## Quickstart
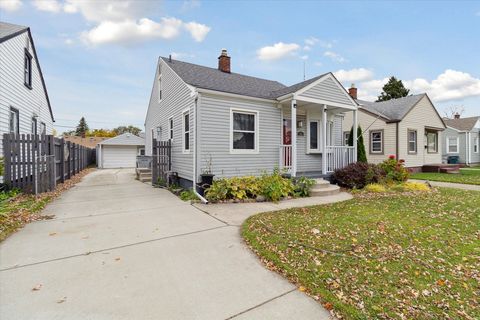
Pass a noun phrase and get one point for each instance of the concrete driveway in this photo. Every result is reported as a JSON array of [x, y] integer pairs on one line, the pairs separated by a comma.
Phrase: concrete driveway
[[120, 249]]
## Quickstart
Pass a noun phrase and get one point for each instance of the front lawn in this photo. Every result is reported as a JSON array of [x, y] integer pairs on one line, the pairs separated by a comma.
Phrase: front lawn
[[466, 175], [378, 256]]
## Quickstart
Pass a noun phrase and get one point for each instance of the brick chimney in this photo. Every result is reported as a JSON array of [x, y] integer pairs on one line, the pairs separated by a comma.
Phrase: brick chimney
[[353, 91], [456, 115], [224, 61]]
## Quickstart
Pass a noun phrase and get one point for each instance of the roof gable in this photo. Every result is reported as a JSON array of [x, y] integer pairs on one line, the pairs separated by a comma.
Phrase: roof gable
[[462, 124], [394, 109], [9, 30], [128, 139]]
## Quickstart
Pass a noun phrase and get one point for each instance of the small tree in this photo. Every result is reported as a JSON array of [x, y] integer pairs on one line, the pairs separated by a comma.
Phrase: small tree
[[123, 129], [361, 154], [393, 89], [82, 128]]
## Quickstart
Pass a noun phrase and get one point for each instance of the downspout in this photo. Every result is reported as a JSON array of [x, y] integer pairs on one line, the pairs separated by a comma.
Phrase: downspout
[[397, 143], [205, 201], [467, 148]]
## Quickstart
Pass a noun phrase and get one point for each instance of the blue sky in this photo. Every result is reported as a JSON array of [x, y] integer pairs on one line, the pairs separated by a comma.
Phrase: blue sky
[[99, 57]]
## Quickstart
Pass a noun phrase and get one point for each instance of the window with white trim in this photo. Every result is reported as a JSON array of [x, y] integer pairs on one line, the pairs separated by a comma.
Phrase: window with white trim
[[186, 131], [34, 125], [346, 137], [376, 141], [314, 127], [244, 131], [170, 128], [476, 144], [432, 141], [412, 141], [452, 144], [160, 88], [14, 123]]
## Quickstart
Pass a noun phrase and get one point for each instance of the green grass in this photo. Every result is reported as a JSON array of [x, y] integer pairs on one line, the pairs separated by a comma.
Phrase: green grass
[[466, 175], [17, 209], [392, 256]]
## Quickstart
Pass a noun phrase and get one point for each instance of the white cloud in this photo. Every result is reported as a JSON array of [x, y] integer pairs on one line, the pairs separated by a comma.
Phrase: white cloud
[[48, 5], [353, 75], [311, 41], [111, 10], [334, 56], [304, 57], [198, 31], [129, 31], [277, 51], [182, 55], [449, 85], [10, 5]]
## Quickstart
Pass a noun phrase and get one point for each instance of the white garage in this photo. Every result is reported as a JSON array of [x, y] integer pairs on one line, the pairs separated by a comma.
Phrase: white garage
[[120, 151]]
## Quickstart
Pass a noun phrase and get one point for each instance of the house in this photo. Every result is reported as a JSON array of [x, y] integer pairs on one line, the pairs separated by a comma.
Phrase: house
[[120, 151], [237, 125], [24, 104], [89, 142], [461, 138], [409, 128]]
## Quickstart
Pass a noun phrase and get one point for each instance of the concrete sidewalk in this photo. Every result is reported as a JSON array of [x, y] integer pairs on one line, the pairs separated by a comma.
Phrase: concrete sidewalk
[[120, 249], [462, 186]]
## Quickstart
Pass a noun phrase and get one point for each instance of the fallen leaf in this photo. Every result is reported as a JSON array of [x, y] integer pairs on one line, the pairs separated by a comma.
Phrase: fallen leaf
[[62, 300], [117, 259], [328, 306], [302, 288], [37, 287], [315, 231], [52, 233]]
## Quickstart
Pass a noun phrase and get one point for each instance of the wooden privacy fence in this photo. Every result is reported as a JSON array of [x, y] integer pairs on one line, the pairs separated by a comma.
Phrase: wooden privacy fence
[[161, 160], [36, 163]]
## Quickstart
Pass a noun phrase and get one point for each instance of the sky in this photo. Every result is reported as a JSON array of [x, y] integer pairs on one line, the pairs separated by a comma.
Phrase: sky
[[99, 57]]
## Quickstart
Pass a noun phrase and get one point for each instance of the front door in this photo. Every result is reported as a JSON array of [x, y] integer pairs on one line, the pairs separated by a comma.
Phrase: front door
[[286, 149], [287, 132]]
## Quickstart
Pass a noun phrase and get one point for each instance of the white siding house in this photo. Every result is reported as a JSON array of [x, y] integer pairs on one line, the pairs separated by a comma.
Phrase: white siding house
[[240, 125], [462, 139], [24, 103], [120, 151]]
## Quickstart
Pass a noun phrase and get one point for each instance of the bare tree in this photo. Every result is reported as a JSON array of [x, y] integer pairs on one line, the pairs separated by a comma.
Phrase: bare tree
[[451, 111]]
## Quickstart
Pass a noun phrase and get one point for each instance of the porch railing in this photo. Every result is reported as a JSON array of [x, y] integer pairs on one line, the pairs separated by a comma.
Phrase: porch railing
[[338, 157], [286, 157]]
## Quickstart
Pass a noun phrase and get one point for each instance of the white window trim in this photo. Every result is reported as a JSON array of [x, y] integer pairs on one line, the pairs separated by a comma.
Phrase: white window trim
[[257, 132], [170, 128], [457, 144], [184, 112], [160, 91], [436, 142], [319, 135], [371, 142], [476, 144], [415, 141]]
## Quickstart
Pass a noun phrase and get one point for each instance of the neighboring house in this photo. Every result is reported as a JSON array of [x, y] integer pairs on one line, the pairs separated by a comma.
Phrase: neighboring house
[[462, 139], [244, 125], [409, 128], [24, 103], [120, 151], [89, 142]]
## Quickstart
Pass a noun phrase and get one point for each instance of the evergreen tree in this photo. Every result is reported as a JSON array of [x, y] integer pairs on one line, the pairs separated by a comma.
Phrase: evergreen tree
[[82, 128], [361, 154], [393, 89]]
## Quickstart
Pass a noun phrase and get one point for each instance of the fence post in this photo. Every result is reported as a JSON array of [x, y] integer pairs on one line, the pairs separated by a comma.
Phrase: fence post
[[53, 169], [155, 161], [62, 160], [7, 176]]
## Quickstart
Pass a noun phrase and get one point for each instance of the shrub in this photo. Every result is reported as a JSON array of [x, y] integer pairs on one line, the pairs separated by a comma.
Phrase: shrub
[[361, 154], [411, 186], [302, 186], [1, 166], [375, 187], [357, 175], [271, 186], [394, 169]]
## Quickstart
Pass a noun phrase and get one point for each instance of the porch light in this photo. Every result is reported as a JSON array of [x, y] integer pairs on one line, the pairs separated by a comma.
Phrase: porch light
[[159, 132], [299, 124]]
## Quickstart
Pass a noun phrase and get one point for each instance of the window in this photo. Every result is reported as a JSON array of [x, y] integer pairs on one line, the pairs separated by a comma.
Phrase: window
[[412, 141], [34, 125], [376, 141], [330, 133], [27, 69], [314, 125], [186, 131], [160, 88], [170, 128], [43, 128], [14, 121], [432, 142], [141, 151], [475, 144], [244, 134], [346, 137], [452, 145]]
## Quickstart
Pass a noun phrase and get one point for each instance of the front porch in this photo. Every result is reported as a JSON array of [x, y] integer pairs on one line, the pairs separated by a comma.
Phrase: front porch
[[313, 143]]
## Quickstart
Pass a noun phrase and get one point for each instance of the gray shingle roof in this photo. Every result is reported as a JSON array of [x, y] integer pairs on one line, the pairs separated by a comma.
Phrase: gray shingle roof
[[8, 30], [462, 124], [125, 139], [214, 79], [394, 109]]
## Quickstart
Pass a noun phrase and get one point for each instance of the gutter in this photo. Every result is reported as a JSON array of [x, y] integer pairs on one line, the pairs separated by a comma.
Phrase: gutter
[[194, 178]]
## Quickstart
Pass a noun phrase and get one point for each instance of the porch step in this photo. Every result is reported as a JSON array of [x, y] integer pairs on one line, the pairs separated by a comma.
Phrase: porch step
[[144, 174], [323, 188]]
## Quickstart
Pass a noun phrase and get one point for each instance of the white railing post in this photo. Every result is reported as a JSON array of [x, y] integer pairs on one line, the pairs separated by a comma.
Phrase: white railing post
[[325, 156], [294, 137]]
